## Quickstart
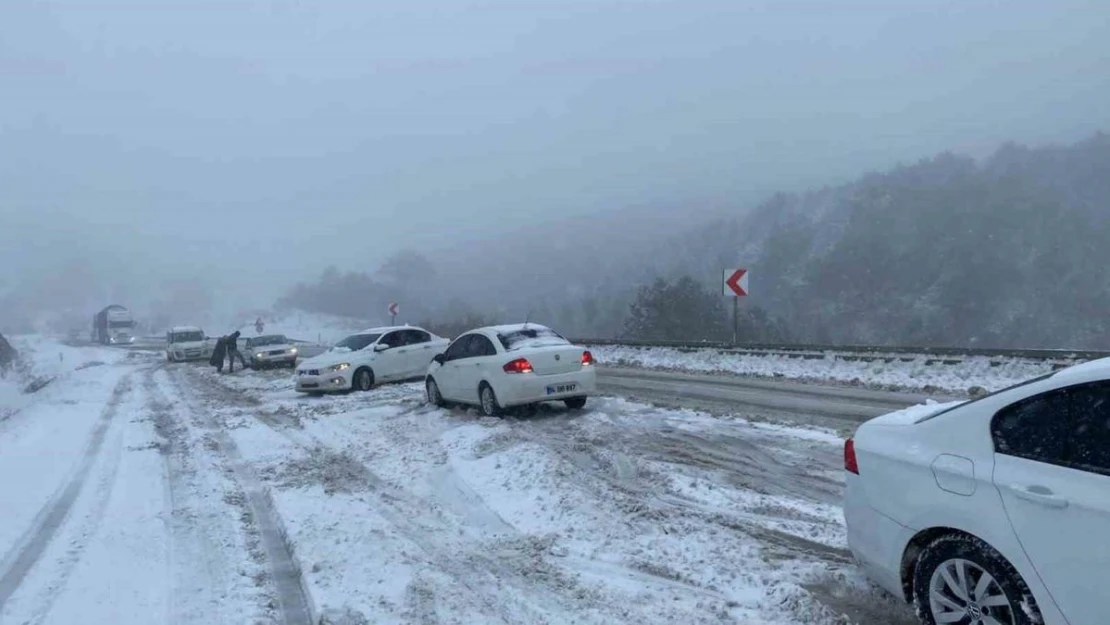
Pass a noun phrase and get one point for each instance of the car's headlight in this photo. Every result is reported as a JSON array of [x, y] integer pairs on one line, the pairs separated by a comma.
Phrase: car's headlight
[[258, 355], [292, 350], [340, 367]]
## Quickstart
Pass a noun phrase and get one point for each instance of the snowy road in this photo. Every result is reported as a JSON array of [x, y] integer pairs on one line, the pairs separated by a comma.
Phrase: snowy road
[[835, 407], [168, 494]]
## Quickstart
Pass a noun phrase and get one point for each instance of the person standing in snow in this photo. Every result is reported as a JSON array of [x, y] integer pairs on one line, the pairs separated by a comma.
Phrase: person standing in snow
[[218, 353], [233, 351]]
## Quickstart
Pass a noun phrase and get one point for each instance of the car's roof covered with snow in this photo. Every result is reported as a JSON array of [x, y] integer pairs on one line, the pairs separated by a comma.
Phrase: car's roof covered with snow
[[513, 327], [384, 329], [177, 329], [1090, 369]]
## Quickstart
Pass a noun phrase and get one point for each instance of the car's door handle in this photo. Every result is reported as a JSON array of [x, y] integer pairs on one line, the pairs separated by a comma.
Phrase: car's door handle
[[1039, 495]]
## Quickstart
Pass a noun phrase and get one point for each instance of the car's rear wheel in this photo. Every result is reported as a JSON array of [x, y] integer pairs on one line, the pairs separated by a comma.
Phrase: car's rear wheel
[[575, 403], [435, 398], [364, 380], [961, 579], [488, 401]]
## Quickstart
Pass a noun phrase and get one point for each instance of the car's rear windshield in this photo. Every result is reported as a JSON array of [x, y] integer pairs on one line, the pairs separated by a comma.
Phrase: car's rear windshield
[[187, 337], [274, 339], [356, 342], [530, 337], [988, 396]]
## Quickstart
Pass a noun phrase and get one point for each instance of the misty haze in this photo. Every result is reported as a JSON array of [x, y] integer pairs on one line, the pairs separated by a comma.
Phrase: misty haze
[[466, 311]]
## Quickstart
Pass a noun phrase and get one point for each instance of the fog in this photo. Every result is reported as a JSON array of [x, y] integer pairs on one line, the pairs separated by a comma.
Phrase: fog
[[156, 147]]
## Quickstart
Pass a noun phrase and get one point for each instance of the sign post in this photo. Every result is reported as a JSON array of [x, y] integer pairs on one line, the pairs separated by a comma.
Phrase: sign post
[[393, 309], [734, 284]]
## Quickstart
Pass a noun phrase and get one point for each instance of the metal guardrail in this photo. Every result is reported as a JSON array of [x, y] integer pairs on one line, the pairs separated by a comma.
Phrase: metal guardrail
[[952, 355]]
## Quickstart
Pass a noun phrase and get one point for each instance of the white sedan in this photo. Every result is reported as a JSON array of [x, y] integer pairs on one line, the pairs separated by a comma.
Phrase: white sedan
[[994, 511], [362, 360], [513, 365]]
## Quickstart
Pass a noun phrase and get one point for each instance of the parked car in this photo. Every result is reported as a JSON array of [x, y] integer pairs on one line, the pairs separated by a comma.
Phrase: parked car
[[184, 343], [991, 511], [269, 351], [362, 360], [512, 365]]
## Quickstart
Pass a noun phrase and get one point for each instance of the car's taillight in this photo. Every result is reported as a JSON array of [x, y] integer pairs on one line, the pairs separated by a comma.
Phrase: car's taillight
[[587, 358], [520, 365], [850, 463]]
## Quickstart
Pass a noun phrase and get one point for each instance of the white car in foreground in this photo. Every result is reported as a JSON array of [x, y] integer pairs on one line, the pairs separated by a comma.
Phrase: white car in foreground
[[362, 360], [185, 343], [994, 511], [514, 365]]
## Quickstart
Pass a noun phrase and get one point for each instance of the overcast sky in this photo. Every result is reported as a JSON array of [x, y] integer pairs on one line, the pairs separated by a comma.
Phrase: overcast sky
[[263, 140]]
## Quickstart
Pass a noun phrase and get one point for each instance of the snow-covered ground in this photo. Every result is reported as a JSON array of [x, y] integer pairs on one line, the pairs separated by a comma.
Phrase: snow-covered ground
[[306, 326], [155, 493], [913, 375]]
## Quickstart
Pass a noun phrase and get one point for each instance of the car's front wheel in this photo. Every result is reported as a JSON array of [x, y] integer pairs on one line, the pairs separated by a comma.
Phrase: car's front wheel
[[364, 380], [435, 398], [961, 579]]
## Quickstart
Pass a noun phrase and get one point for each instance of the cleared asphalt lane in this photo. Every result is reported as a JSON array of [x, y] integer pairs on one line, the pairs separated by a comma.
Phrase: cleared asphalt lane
[[834, 406]]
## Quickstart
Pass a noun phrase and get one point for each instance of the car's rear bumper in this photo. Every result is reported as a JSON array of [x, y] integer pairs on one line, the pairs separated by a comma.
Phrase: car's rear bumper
[[876, 541], [329, 382], [532, 389]]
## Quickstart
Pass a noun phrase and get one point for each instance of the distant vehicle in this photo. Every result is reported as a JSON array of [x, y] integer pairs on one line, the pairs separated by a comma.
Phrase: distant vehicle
[[113, 326], [269, 351], [991, 511], [184, 343], [362, 360], [512, 365]]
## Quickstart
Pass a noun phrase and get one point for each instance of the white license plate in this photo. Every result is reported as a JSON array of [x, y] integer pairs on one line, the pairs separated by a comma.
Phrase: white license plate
[[555, 389]]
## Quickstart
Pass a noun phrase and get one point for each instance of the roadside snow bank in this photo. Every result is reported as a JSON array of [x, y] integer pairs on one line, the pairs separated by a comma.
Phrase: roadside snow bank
[[307, 326], [898, 375], [43, 360]]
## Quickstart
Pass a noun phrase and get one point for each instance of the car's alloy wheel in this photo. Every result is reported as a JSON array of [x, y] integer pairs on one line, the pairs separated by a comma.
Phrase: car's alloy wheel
[[490, 407], [364, 380], [962, 580], [961, 591]]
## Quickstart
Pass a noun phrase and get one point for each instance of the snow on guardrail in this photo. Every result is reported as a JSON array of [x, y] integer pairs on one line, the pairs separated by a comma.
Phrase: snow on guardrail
[[927, 370]]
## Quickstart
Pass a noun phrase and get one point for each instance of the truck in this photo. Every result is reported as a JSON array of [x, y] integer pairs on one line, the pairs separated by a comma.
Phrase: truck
[[113, 326]]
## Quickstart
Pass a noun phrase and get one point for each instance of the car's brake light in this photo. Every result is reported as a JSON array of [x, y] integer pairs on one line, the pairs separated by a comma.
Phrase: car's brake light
[[520, 365], [850, 463], [587, 358]]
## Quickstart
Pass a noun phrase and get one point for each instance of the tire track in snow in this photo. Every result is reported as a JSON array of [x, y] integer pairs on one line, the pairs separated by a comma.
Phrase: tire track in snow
[[293, 601], [23, 557]]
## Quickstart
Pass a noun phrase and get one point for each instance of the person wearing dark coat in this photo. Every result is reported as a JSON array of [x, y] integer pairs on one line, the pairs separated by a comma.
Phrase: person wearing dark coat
[[218, 353], [232, 343]]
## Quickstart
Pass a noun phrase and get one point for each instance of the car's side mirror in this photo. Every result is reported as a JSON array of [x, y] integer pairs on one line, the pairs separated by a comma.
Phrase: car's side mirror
[[440, 358], [381, 347]]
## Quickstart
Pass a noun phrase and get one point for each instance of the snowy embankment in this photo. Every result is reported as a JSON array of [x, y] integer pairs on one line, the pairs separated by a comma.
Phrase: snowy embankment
[[399, 512], [43, 361], [914, 375], [305, 326]]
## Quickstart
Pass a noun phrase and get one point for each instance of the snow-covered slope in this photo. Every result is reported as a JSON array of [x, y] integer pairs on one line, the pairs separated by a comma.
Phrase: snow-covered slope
[[912, 375], [306, 326]]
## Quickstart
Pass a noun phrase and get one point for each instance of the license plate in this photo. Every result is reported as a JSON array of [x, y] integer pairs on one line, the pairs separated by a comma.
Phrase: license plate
[[561, 388]]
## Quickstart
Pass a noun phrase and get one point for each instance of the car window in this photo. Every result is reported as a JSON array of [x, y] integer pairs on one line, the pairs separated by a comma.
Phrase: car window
[[394, 339], [987, 396], [1090, 428], [459, 348], [481, 346], [1035, 428], [416, 337], [533, 336], [356, 342]]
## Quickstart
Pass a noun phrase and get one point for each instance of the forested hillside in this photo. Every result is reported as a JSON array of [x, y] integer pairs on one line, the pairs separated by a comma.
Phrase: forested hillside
[[1007, 252]]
